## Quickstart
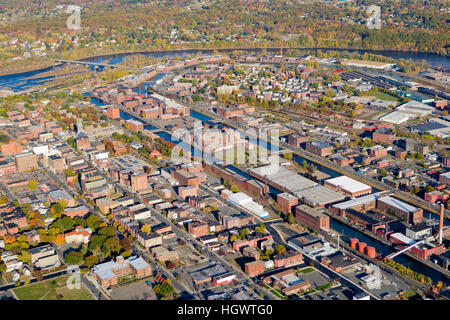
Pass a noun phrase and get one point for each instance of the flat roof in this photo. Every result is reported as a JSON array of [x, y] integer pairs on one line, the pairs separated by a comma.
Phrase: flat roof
[[319, 195], [320, 144], [428, 127], [290, 180], [311, 211], [403, 238], [398, 204], [358, 201], [348, 184]]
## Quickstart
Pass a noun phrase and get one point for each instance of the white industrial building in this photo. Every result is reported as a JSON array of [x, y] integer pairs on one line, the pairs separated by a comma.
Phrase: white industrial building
[[409, 110], [246, 202]]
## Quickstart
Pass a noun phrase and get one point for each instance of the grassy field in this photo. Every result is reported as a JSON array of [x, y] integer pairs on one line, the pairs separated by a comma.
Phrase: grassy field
[[307, 270], [381, 95], [53, 289]]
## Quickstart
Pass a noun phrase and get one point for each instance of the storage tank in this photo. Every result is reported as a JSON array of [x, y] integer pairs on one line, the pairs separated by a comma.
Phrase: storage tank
[[362, 246], [371, 253], [353, 242]]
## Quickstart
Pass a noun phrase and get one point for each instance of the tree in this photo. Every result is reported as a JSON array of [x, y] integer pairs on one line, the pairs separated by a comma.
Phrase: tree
[[2, 267], [60, 239], [290, 218], [67, 223], [80, 222], [73, 257], [96, 241], [111, 245], [32, 184], [234, 188], [93, 222], [383, 172], [90, 261], [146, 228], [244, 232], [4, 199], [279, 248], [261, 228], [126, 244], [107, 231]]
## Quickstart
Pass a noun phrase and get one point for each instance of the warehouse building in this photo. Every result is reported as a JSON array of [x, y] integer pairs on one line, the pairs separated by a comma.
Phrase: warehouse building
[[319, 148], [369, 221], [246, 202], [282, 179], [319, 196], [362, 204], [312, 217], [286, 202], [410, 110], [401, 209], [348, 186]]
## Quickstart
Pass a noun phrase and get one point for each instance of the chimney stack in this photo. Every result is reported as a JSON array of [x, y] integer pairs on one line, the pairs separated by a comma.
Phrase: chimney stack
[[441, 223]]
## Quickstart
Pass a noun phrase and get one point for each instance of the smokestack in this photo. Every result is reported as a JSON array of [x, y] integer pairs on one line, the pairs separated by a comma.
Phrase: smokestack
[[441, 223]]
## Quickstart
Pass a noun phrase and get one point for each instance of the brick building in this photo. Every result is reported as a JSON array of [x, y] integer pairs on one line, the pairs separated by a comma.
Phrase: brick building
[[286, 202], [198, 229], [135, 125], [107, 274], [254, 268], [186, 178], [408, 213], [56, 163], [113, 112], [11, 148], [319, 148], [139, 182], [187, 191], [287, 259], [312, 217], [385, 136], [83, 141], [296, 140], [26, 161]]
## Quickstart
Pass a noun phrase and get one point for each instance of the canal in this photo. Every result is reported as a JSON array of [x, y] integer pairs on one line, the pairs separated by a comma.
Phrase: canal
[[336, 225]]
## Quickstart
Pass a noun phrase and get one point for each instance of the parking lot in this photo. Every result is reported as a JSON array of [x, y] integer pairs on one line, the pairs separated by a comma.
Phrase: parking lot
[[134, 291]]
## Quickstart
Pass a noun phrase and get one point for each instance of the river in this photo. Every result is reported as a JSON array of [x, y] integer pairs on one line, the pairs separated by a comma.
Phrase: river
[[25, 80]]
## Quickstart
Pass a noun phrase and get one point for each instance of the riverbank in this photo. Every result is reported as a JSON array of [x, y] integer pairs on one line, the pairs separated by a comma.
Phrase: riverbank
[[375, 237], [389, 53]]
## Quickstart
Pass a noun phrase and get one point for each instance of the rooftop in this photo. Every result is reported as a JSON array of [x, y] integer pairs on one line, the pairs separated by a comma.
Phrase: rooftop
[[358, 201], [398, 204], [348, 184], [319, 195]]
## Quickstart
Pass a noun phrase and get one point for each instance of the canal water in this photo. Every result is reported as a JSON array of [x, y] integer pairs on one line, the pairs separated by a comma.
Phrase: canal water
[[384, 250], [348, 232]]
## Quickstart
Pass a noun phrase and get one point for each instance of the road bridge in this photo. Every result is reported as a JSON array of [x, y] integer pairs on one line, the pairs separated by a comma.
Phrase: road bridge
[[96, 64]]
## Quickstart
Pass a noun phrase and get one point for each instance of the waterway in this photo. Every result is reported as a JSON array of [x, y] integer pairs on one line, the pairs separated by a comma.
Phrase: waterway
[[25, 80], [345, 230], [384, 250]]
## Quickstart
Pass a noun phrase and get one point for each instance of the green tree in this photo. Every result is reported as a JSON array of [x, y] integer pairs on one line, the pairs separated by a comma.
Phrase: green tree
[[279, 248], [91, 261], [93, 222], [107, 231], [73, 257], [234, 188], [110, 246], [32, 184]]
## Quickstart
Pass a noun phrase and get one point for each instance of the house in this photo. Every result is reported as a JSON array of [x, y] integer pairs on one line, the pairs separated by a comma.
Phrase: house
[[78, 235]]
